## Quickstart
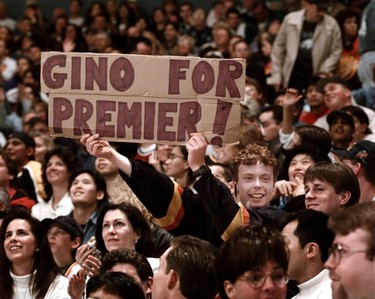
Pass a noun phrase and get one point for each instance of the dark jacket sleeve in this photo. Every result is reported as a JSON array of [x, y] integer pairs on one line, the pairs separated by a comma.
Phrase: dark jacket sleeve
[[209, 214], [219, 203]]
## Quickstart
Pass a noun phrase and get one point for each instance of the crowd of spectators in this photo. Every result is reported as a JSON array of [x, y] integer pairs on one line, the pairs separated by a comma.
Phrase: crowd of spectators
[[286, 212]]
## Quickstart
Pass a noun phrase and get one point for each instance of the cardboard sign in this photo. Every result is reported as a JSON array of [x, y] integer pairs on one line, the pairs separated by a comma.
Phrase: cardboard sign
[[139, 98]]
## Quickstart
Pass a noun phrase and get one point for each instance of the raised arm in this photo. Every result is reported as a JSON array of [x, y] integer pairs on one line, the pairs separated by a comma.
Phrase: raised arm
[[291, 98], [101, 148]]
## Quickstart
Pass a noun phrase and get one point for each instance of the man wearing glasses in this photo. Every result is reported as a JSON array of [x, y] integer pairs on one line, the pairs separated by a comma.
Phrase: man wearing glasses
[[352, 257], [253, 264]]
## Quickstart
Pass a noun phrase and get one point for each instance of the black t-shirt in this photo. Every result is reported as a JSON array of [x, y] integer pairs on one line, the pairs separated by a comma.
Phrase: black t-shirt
[[303, 68]]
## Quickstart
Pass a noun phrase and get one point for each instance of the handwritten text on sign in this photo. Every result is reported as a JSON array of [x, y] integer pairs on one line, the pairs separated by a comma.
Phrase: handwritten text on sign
[[142, 98]]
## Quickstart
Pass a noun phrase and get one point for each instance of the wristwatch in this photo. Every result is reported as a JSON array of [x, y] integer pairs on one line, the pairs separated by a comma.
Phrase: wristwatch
[[201, 171]]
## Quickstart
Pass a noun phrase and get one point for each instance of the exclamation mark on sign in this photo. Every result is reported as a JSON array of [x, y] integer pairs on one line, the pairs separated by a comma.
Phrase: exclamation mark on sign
[[220, 122]]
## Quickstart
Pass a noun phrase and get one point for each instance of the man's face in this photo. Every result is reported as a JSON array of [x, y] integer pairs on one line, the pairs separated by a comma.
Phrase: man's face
[[321, 196], [60, 241], [255, 185], [241, 289], [17, 151], [336, 96], [297, 264], [269, 127], [313, 13], [353, 275], [341, 130], [314, 97], [161, 278], [105, 167]]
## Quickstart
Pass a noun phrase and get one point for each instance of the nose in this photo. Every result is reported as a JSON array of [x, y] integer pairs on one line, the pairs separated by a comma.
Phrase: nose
[[111, 229], [329, 264], [308, 195], [269, 284], [257, 183], [13, 237]]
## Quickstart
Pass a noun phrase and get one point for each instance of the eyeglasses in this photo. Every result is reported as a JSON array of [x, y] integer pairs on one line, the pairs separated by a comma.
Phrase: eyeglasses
[[173, 156], [337, 251], [257, 279]]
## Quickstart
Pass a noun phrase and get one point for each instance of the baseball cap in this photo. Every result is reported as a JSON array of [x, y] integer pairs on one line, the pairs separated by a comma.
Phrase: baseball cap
[[335, 79], [363, 151], [342, 114], [69, 224], [24, 137]]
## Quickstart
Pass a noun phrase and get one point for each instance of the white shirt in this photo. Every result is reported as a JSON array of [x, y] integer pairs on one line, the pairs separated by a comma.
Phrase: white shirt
[[44, 209], [57, 290], [318, 287]]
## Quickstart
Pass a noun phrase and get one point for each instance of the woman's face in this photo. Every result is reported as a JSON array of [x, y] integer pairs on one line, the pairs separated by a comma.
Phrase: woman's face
[[56, 171], [40, 149], [117, 231], [83, 190], [298, 167], [351, 27], [20, 243], [176, 166]]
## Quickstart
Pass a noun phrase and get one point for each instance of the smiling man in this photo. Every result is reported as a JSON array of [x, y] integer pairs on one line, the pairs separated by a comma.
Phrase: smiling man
[[352, 260], [337, 95], [330, 187]]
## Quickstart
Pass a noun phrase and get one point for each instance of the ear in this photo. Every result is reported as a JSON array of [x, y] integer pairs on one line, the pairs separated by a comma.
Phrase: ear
[[347, 92], [357, 167], [312, 249], [173, 280], [232, 187], [137, 235], [76, 243], [229, 289], [344, 197], [148, 285], [99, 195], [30, 151], [363, 128]]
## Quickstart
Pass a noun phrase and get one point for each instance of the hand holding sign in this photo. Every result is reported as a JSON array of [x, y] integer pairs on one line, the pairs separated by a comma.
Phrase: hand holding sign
[[97, 147], [196, 147]]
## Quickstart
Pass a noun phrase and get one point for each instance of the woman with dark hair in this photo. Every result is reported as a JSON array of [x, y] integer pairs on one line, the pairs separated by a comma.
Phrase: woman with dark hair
[[119, 226], [136, 236], [60, 164], [348, 21], [28, 269], [178, 168], [290, 188], [88, 191]]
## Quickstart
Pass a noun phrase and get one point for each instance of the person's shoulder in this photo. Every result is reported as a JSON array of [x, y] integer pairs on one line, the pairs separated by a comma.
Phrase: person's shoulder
[[58, 289], [294, 15]]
